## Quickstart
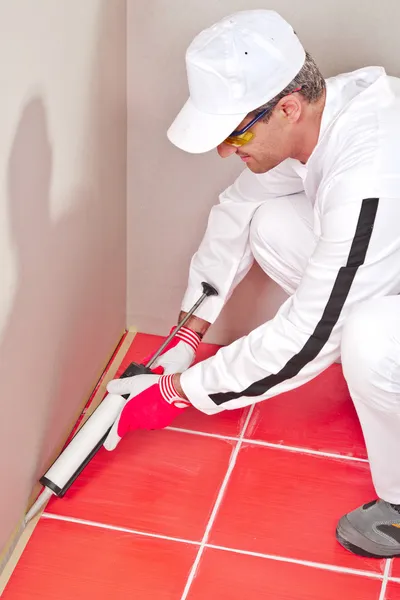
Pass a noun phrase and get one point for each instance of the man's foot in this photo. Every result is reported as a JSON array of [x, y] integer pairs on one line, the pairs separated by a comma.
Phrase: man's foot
[[372, 530]]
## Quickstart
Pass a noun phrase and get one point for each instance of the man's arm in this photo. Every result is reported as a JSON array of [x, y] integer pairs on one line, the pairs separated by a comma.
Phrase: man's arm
[[357, 258], [224, 256], [200, 326]]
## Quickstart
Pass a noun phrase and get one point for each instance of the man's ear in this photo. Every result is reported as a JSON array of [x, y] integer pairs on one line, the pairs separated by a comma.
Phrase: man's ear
[[290, 108]]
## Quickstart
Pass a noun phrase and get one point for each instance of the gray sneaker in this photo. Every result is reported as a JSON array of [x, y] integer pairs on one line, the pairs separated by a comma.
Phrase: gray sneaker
[[372, 530]]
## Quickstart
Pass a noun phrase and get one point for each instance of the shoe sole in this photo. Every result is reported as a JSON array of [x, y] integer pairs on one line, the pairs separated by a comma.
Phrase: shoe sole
[[370, 549]]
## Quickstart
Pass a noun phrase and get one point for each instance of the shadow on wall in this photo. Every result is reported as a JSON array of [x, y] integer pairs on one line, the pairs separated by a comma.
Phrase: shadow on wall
[[34, 362], [65, 321]]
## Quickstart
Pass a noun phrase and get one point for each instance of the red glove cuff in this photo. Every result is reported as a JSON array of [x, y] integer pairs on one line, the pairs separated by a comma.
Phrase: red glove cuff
[[190, 337], [169, 393]]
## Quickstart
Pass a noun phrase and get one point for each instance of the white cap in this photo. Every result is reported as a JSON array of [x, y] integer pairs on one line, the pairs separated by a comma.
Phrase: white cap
[[234, 67]]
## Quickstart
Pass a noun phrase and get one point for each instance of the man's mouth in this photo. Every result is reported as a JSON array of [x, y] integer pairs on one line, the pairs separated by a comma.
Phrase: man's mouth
[[245, 157]]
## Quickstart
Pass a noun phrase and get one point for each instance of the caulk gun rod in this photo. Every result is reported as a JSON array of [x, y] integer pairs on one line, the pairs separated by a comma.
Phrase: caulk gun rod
[[177, 328]]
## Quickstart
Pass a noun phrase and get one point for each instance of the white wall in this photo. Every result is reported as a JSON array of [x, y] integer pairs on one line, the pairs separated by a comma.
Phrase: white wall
[[169, 192], [62, 224]]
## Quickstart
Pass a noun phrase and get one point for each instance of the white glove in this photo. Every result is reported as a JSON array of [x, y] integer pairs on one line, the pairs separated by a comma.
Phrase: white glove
[[179, 354]]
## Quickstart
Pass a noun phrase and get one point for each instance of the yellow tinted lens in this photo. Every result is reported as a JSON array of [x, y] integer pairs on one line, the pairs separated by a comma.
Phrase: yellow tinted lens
[[239, 140]]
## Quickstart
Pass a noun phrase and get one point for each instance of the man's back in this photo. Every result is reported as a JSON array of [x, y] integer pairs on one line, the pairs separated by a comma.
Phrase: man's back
[[360, 135]]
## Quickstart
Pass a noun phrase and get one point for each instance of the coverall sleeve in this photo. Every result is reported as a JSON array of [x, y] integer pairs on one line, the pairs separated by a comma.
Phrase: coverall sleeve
[[224, 256], [356, 258]]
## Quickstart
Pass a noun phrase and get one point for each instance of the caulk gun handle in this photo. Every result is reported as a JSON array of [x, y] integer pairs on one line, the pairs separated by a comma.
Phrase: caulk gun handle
[[208, 289], [135, 369]]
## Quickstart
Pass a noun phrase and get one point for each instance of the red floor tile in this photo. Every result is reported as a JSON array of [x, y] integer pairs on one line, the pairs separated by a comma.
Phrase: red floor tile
[[229, 422], [288, 504], [318, 415], [229, 576], [396, 568], [393, 591], [65, 561], [159, 481]]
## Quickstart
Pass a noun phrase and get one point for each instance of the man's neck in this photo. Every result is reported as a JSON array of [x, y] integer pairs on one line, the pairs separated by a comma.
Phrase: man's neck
[[309, 130]]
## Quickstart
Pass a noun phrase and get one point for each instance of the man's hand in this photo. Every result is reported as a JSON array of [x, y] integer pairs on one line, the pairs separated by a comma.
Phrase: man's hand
[[153, 403], [179, 354]]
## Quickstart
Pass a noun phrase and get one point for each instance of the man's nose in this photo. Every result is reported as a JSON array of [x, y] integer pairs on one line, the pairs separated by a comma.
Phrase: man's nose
[[225, 150]]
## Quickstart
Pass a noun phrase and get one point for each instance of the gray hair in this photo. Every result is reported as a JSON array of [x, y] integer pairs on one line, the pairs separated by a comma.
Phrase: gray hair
[[312, 87]]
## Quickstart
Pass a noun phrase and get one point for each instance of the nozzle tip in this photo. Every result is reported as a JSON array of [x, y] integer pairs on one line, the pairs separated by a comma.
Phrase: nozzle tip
[[40, 502]]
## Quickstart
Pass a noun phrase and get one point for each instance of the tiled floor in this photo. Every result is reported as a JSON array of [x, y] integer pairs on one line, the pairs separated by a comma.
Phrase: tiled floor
[[396, 569], [241, 504], [393, 591]]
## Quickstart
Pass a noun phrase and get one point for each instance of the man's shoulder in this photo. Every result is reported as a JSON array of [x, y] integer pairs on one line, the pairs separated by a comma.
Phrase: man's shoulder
[[367, 132]]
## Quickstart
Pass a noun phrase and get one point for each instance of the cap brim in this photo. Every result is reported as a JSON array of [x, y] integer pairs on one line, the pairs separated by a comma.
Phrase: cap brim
[[196, 132]]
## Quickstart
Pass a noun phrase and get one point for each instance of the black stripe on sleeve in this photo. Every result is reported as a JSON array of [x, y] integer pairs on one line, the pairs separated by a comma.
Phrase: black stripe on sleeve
[[330, 316]]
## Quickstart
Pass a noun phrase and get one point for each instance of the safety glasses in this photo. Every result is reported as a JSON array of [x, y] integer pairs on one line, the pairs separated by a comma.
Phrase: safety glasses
[[243, 136]]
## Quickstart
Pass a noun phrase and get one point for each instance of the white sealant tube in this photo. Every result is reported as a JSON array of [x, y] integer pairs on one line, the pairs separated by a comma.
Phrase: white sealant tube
[[78, 450], [85, 440]]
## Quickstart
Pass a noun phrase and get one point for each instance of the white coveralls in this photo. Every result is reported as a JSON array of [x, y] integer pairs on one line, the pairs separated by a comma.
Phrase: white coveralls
[[329, 233]]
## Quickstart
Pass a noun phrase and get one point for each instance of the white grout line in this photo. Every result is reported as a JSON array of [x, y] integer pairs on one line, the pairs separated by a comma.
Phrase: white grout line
[[386, 574], [298, 561], [218, 436], [298, 449], [56, 517], [217, 504], [305, 451], [203, 544]]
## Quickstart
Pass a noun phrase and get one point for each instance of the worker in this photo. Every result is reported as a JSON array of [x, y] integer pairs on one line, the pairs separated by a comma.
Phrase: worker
[[318, 207]]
